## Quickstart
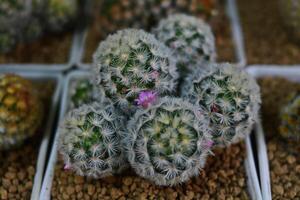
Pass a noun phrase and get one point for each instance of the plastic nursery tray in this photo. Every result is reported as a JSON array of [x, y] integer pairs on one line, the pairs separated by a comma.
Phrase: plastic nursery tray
[[72, 60], [41, 159], [291, 73], [236, 34], [251, 173]]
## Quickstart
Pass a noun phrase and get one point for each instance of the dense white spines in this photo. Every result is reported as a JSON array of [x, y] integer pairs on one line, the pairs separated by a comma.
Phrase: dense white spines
[[189, 37], [132, 61], [90, 141], [168, 142], [230, 98]]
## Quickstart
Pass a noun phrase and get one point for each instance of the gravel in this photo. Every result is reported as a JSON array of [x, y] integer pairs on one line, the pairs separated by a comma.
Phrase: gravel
[[223, 178], [266, 39], [48, 49], [284, 158]]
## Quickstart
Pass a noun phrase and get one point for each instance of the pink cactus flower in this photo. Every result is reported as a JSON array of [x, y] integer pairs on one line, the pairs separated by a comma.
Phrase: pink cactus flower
[[146, 98], [67, 167]]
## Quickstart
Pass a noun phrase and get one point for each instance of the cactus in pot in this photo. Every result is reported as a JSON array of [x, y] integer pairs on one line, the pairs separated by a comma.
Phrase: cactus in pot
[[21, 111], [290, 12], [90, 140], [190, 38], [132, 61], [290, 118], [230, 98], [60, 14], [168, 141]]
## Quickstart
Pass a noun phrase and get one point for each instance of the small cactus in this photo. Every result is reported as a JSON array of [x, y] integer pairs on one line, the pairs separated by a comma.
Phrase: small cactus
[[21, 111], [81, 92], [229, 96], [60, 14], [90, 141], [290, 11], [290, 118], [190, 38], [132, 61], [167, 143]]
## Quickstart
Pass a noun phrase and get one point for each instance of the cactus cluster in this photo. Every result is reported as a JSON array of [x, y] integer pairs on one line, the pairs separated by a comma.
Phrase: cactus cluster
[[230, 98], [132, 61], [190, 38], [21, 111], [168, 142], [90, 138], [290, 118], [290, 11], [164, 138]]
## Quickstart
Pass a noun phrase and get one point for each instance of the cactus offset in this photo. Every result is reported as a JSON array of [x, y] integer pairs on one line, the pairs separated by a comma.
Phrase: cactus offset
[[132, 61], [90, 141], [168, 142], [190, 38], [290, 11], [81, 92], [230, 98], [290, 118], [21, 111]]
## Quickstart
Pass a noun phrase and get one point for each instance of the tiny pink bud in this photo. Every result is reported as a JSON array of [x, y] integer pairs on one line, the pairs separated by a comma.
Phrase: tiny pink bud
[[154, 75], [146, 98], [67, 167], [208, 144]]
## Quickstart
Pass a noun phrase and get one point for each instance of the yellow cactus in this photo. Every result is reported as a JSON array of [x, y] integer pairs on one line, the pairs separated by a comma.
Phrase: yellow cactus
[[21, 110]]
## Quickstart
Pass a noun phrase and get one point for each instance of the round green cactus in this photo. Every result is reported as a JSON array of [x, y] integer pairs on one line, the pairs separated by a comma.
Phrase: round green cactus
[[290, 11], [230, 98], [90, 141], [132, 61], [21, 111], [168, 142], [60, 14], [290, 118], [190, 38]]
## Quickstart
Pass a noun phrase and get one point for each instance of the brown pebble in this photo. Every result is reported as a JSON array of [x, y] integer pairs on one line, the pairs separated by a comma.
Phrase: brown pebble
[[91, 190], [79, 179], [278, 189], [3, 193], [70, 190], [291, 159]]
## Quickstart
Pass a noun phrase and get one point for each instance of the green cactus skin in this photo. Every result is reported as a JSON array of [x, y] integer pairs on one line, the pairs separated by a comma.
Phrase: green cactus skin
[[229, 96], [81, 92], [168, 142], [290, 11], [132, 61], [61, 14], [21, 111], [190, 38], [290, 118], [90, 141]]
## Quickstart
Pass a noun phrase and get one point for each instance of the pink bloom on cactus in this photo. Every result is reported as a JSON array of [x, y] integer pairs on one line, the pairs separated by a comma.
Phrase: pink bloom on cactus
[[208, 144], [146, 98], [67, 167]]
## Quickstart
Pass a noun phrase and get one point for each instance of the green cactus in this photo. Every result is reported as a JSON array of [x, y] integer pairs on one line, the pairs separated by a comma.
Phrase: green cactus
[[90, 141], [230, 98], [21, 111], [168, 142], [61, 14], [81, 92], [290, 11], [190, 38], [132, 61], [290, 118]]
